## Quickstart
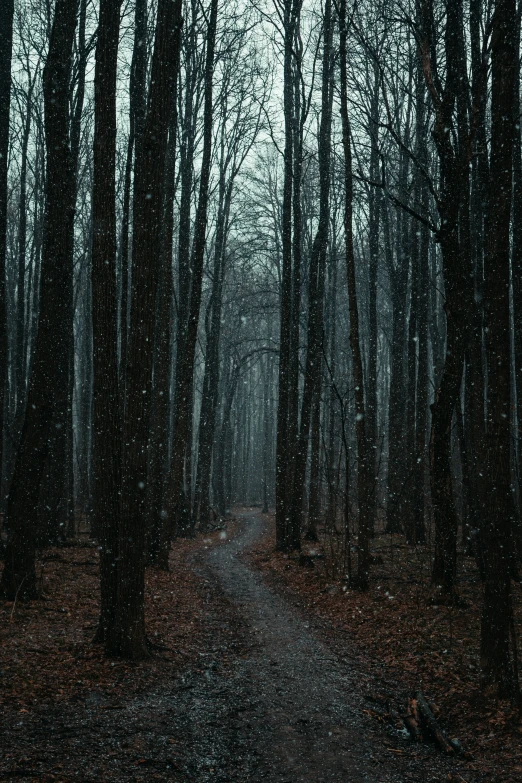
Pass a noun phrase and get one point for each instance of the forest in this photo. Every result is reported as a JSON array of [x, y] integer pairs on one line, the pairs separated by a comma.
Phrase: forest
[[261, 344]]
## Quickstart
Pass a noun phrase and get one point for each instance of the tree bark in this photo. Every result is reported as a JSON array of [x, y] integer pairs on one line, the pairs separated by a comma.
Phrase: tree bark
[[453, 205], [46, 416], [137, 110], [495, 663], [314, 500], [187, 334], [364, 458], [159, 541], [283, 456], [6, 46], [127, 639], [106, 443], [422, 389], [211, 376], [374, 206], [316, 281]]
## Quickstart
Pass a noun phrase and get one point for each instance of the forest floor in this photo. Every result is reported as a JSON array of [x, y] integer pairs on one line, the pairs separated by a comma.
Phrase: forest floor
[[247, 683], [401, 641]]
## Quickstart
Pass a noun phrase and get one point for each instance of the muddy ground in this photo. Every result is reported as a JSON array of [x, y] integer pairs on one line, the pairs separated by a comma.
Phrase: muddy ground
[[267, 700]]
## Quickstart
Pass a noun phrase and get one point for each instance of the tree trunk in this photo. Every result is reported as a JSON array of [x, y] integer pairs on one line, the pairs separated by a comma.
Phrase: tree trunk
[[364, 475], [453, 235], [209, 398], [331, 511], [188, 331], [422, 390], [316, 280], [128, 636], [159, 540], [496, 666], [314, 500], [106, 443], [299, 118], [397, 398], [373, 242], [20, 364], [267, 388], [137, 109], [516, 276], [283, 456], [46, 416], [474, 418], [6, 46], [222, 455]]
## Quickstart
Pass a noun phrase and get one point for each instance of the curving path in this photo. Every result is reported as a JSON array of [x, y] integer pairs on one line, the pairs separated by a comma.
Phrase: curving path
[[300, 717], [268, 702], [304, 719]]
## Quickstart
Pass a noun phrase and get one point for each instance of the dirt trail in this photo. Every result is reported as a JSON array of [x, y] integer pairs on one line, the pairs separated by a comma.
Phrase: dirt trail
[[268, 702], [305, 721]]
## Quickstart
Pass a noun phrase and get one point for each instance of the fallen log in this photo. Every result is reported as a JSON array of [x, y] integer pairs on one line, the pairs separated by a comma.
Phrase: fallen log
[[432, 727], [412, 720], [397, 721]]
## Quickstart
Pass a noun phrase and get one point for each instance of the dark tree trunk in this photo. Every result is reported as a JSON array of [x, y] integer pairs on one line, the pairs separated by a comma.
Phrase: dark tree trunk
[[474, 419], [330, 456], [422, 389], [177, 509], [410, 456], [56, 513], [316, 281], [364, 475], [137, 109], [106, 443], [6, 46], [516, 273], [47, 407], [187, 334], [222, 490], [211, 376], [283, 455], [495, 662], [314, 500], [267, 388], [398, 388], [159, 539], [20, 365], [373, 243], [453, 235], [128, 636], [76, 441], [299, 118], [397, 508]]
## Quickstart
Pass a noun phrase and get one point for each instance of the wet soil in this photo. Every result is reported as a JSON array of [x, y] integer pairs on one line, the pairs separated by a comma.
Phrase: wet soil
[[269, 701]]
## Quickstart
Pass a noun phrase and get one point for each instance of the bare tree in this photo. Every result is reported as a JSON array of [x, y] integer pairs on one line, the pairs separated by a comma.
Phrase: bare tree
[[496, 664], [47, 414], [106, 401], [127, 637], [6, 45], [188, 331]]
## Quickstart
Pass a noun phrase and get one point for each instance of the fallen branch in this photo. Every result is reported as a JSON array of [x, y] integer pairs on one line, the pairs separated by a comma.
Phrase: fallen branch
[[412, 720], [432, 727], [15, 600]]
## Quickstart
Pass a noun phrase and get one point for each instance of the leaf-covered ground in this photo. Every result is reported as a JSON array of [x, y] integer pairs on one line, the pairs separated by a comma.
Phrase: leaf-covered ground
[[406, 642], [45, 650], [62, 702], [262, 671]]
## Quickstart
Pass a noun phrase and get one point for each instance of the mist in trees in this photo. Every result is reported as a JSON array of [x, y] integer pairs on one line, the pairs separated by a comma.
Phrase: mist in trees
[[262, 253]]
